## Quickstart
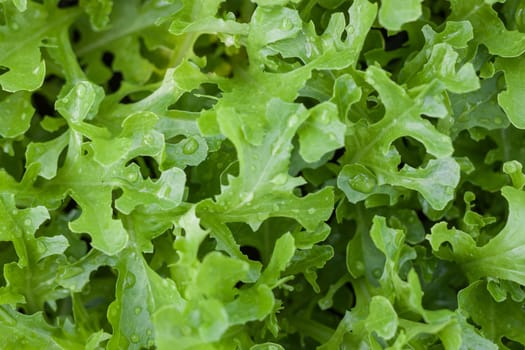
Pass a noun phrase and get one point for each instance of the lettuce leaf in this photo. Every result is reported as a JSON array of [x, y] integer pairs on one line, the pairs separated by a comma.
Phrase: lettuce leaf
[[264, 174]]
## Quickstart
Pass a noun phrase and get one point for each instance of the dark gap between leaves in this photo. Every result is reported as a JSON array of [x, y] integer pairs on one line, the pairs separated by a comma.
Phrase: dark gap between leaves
[[115, 82], [67, 3], [251, 252]]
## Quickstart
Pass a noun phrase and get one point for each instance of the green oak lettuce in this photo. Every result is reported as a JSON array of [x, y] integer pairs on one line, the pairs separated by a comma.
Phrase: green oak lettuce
[[262, 174]]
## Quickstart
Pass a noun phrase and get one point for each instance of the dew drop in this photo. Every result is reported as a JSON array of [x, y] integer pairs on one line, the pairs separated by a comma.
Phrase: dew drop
[[15, 26], [308, 49], [130, 280], [311, 211], [498, 120], [247, 196], [148, 332], [279, 179], [377, 273], [229, 41], [276, 207], [162, 3], [132, 176], [27, 222], [41, 247], [36, 70], [362, 182], [293, 121], [359, 266], [134, 338], [138, 310], [350, 29], [72, 272], [190, 146], [286, 24], [324, 118], [81, 90], [148, 139], [519, 18], [151, 343]]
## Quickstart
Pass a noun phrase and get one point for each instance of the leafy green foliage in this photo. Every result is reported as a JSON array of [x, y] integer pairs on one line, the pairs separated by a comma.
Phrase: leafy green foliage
[[264, 174]]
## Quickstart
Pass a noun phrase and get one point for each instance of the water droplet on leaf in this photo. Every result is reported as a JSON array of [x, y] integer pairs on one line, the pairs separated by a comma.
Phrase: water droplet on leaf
[[138, 310], [308, 49], [130, 280], [134, 338], [293, 121], [72, 272], [362, 182], [324, 118], [311, 211], [377, 273], [286, 24], [246, 196], [81, 90], [279, 179], [41, 247], [359, 266], [190, 146], [148, 139]]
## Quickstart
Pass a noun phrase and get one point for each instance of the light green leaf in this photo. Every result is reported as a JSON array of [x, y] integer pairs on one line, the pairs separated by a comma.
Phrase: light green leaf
[[19, 226], [501, 257], [321, 133], [373, 161], [98, 12], [489, 30], [45, 155], [382, 317], [394, 13], [32, 332], [140, 292], [263, 187], [479, 305], [509, 99], [16, 112], [22, 36]]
